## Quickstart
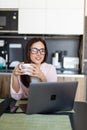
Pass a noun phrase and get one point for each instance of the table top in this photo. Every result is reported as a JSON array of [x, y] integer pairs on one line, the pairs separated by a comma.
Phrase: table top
[[70, 120], [34, 122]]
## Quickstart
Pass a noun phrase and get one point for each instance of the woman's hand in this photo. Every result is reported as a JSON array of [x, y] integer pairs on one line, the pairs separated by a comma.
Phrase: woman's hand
[[36, 72], [17, 70]]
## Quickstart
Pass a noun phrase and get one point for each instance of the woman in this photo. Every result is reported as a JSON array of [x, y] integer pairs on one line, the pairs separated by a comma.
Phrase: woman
[[35, 54]]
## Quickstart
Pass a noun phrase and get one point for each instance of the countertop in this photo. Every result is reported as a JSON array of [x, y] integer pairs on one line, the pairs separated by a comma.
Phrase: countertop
[[9, 72], [70, 75]]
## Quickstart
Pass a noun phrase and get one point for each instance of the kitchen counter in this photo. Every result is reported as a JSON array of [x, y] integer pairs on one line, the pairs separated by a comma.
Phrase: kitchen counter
[[81, 91], [70, 75], [5, 72], [9, 72]]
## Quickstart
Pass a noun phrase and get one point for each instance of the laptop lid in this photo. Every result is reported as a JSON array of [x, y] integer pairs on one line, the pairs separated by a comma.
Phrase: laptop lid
[[50, 97]]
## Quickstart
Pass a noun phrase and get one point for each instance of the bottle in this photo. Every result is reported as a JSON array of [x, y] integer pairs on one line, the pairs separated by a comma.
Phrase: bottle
[[55, 58]]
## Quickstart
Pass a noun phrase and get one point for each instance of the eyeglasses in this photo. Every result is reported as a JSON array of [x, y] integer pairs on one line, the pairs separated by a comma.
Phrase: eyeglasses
[[36, 50]]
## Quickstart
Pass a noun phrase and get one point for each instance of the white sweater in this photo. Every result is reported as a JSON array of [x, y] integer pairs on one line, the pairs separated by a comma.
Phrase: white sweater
[[51, 76]]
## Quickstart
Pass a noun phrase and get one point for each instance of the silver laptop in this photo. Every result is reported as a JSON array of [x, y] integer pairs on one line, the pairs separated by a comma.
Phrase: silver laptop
[[51, 97]]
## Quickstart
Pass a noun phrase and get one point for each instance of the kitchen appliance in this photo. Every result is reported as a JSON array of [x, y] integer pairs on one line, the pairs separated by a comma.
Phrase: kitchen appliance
[[71, 65], [57, 58], [15, 54], [71, 62], [8, 21]]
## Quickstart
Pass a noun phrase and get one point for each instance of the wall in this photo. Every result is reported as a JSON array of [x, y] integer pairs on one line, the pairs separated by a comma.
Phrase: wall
[[70, 45]]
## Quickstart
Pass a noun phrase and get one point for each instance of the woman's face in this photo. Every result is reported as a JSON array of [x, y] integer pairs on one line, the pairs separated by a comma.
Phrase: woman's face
[[37, 52]]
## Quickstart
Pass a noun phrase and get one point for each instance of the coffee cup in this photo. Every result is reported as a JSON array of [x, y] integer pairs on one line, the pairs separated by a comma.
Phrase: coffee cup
[[25, 67]]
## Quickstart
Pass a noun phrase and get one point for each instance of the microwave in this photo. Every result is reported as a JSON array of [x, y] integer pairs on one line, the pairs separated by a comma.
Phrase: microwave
[[8, 21]]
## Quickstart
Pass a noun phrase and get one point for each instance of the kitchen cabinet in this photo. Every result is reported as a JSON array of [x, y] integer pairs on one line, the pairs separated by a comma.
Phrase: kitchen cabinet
[[32, 4], [85, 7], [31, 21], [9, 4], [51, 17], [65, 17], [52, 4], [80, 94], [81, 89], [5, 85], [62, 22]]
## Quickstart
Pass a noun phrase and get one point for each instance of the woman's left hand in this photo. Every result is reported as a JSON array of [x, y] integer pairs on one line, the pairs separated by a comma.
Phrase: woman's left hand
[[38, 73]]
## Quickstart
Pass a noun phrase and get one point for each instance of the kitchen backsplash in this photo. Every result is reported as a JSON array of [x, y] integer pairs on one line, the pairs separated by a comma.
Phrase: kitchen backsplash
[[12, 50]]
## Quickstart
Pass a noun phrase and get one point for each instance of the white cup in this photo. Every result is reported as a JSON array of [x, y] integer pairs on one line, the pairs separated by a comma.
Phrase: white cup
[[25, 68]]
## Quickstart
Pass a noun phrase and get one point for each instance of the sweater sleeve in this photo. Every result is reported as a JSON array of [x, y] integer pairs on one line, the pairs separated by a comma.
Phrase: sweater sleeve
[[52, 76], [13, 93], [50, 72]]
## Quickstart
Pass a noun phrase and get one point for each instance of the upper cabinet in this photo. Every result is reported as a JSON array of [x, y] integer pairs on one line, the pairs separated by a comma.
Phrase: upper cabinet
[[48, 16], [27, 4], [51, 16], [64, 22], [31, 21], [9, 4], [85, 7]]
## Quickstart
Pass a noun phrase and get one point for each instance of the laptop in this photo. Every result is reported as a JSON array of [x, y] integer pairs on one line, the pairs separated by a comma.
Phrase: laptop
[[50, 97]]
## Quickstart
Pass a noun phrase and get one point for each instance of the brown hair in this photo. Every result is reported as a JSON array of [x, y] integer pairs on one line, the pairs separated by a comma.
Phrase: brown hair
[[25, 78]]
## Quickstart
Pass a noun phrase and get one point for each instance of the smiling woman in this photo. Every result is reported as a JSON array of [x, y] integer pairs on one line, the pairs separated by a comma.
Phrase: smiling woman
[[36, 53]]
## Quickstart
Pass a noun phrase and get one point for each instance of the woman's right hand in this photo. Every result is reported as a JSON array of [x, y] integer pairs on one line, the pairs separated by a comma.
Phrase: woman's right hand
[[17, 70]]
